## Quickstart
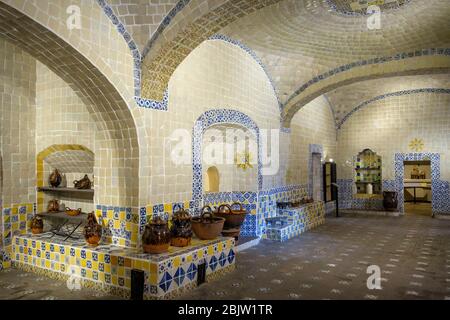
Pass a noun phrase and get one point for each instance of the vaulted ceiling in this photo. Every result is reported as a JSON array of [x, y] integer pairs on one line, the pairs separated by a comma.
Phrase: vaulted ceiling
[[298, 40]]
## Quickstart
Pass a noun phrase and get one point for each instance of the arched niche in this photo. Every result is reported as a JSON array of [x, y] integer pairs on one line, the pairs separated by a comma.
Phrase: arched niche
[[212, 179]]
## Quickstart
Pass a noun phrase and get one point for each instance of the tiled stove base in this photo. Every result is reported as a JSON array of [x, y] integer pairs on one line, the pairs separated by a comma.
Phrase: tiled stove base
[[108, 268], [294, 221]]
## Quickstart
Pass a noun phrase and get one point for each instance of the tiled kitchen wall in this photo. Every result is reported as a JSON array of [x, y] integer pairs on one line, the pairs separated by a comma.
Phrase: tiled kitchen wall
[[388, 126]]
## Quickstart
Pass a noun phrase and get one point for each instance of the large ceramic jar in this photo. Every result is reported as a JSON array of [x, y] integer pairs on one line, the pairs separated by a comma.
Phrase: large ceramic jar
[[181, 230], [92, 230], [37, 225], [55, 178], [156, 237], [390, 201]]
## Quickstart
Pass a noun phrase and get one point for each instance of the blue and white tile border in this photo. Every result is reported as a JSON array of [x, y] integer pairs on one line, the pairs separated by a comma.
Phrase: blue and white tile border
[[392, 94], [353, 13], [314, 148], [206, 120], [378, 60], [435, 159]]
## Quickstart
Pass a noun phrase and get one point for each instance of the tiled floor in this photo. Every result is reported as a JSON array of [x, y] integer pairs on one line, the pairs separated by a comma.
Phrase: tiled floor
[[329, 262]]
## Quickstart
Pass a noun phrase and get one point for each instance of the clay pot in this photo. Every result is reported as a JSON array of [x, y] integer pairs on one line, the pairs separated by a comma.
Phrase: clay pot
[[234, 215], [37, 225], [156, 237], [181, 230], [207, 226], [84, 183], [92, 230], [55, 178], [53, 206], [73, 212], [390, 201]]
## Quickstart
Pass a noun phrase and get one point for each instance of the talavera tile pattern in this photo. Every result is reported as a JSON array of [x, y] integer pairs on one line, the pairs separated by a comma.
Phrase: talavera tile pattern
[[108, 267]]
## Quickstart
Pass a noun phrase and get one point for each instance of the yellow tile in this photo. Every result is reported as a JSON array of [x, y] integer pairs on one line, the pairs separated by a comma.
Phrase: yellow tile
[[121, 272], [89, 274], [153, 278], [88, 255], [210, 250], [107, 268], [137, 264], [116, 224], [176, 262], [167, 207], [94, 265], [83, 263]]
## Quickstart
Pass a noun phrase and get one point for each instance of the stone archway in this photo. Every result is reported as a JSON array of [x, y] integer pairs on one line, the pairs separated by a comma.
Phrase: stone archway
[[117, 141]]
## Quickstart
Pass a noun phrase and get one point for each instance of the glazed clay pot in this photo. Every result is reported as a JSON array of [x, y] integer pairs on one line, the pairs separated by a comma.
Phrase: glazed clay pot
[[390, 201], [92, 230], [53, 206], [207, 226], [156, 237], [84, 183], [73, 212], [37, 225], [181, 230], [234, 215], [55, 178]]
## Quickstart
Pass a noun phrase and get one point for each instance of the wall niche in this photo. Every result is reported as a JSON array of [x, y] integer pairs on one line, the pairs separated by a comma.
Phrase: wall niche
[[368, 173]]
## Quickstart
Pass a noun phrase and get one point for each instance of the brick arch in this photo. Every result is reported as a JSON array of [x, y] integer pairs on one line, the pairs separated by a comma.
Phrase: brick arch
[[429, 61], [116, 139], [179, 34]]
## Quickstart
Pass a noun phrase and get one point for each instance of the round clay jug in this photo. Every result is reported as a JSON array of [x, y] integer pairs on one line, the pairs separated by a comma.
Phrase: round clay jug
[[390, 201], [92, 230], [55, 178], [37, 225], [181, 230], [156, 237]]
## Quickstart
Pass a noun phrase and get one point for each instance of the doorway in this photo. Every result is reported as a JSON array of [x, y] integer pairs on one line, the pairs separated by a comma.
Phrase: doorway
[[417, 193], [316, 176]]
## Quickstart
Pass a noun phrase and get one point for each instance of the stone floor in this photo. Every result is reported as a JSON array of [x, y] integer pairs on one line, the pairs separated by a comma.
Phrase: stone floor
[[329, 262]]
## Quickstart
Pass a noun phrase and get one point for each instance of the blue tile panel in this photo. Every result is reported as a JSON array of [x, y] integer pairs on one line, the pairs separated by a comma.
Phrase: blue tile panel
[[292, 222], [206, 120], [440, 189]]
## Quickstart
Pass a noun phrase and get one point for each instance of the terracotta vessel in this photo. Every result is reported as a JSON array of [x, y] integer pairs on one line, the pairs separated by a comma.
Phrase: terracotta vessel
[[55, 178], [84, 183], [207, 226], [181, 230], [53, 206], [234, 215], [156, 237], [390, 201], [92, 230], [73, 212], [37, 225]]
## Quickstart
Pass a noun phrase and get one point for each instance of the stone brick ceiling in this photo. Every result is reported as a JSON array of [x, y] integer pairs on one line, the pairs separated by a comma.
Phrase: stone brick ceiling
[[360, 7], [141, 17], [300, 39], [72, 161], [346, 98]]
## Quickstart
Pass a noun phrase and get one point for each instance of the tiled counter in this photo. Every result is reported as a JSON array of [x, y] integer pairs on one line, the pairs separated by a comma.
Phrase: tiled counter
[[108, 267], [294, 221]]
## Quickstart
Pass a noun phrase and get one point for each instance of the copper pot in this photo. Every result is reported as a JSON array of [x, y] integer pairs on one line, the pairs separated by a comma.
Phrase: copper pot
[[234, 218], [55, 178], [207, 226], [181, 230], [156, 237], [53, 206], [84, 183], [92, 230], [37, 225], [73, 212]]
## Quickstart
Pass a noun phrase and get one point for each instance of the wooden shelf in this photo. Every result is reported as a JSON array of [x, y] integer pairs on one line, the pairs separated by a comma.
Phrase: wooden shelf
[[72, 190]]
